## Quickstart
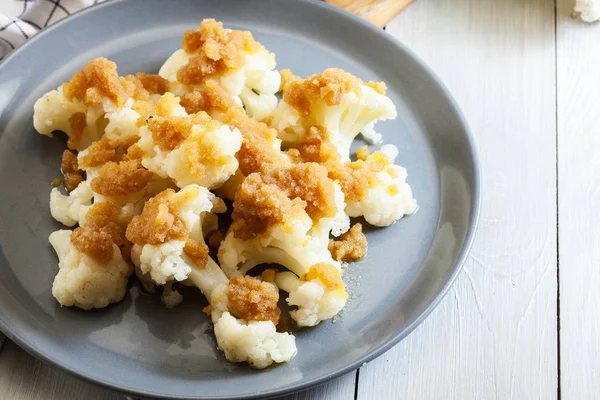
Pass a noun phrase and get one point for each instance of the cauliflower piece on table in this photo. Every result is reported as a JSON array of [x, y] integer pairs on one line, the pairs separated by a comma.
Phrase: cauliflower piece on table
[[190, 149], [337, 101], [589, 10], [240, 64], [284, 215], [92, 272], [95, 102]]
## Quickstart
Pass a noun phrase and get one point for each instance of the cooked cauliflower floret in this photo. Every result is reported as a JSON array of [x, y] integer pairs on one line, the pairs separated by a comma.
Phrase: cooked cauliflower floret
[[92, 272], [167, 233], [589, 10], [388, 197], [95, 102], [194, 149], [241, 65], [373, 186], [255, 342], [318, 295], [71, 208], [337, 101], [284, 215], [260, 144], [244, 312]]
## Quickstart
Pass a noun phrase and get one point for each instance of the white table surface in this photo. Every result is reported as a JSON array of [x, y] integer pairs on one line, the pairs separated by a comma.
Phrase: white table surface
[[518, 324]]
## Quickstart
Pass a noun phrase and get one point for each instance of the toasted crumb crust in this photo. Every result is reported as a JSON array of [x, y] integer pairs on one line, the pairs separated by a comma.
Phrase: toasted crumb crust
[[107, 149], [70, 169], [330, 85], [287, 78], [100, 231], [330, 276], [351, 246], [97, 80], [154, 84], [257, 138], [214, 50], [77, 122], [197, 251], [157, 223], [118, 179], [278, 193], [253, 300], [354, 177]]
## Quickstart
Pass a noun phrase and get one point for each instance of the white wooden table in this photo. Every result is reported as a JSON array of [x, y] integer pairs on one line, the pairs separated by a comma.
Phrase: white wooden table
[[520, 322]]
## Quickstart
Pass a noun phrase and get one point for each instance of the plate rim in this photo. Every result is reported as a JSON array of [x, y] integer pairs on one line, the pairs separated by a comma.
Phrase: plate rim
[[474, 215]]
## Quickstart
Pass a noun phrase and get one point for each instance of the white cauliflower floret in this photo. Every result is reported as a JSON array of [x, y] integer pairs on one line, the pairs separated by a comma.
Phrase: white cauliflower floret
[[243, 338], [337, 101], [203, 153], [167, 260], [284, 215], [389, 198], [318, 296], [255, 342], [96, 101], [84, 281], [294, 238], [241, 66], [589, 10], [70, 209]]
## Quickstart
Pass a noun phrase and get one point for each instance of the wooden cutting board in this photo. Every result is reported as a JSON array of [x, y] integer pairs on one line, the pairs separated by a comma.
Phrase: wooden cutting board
[[379, 12]]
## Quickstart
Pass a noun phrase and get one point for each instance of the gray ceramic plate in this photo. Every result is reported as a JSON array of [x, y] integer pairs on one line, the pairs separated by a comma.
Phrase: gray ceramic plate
[[140, 347]]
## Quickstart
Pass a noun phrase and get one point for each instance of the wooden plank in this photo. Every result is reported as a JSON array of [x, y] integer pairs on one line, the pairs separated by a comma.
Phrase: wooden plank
[[379, 12], [23, 377], [495, 335], [579, 203]]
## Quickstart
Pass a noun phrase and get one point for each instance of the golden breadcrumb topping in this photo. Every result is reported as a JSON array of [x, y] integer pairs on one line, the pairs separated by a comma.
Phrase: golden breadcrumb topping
[[277, 193], [95, 82], [258, 206], [157, 223], [77, 123], [351, 246], [166, 104], [330, 85], [257, 138], [329, 275], [287, 77], [154, 84], [169, 132], [214, 50], [117, 179], [356, 177], [70, 169], [197, 251], [253, 300], [99, 232], [107, 149], [362, 153]]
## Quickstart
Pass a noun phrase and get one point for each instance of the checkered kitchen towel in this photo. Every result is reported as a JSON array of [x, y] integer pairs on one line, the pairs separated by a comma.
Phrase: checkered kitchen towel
[[21, 19]]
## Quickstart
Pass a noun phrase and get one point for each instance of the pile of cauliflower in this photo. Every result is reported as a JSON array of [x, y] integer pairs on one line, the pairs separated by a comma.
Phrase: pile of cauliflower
[[153, 160]]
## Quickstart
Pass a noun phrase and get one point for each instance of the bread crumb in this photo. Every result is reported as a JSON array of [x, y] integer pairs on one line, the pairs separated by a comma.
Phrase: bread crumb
[[197, 251], [327, 274], [118, 179], [253, 300], [70, 169], [99, 232], [351, 246]]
